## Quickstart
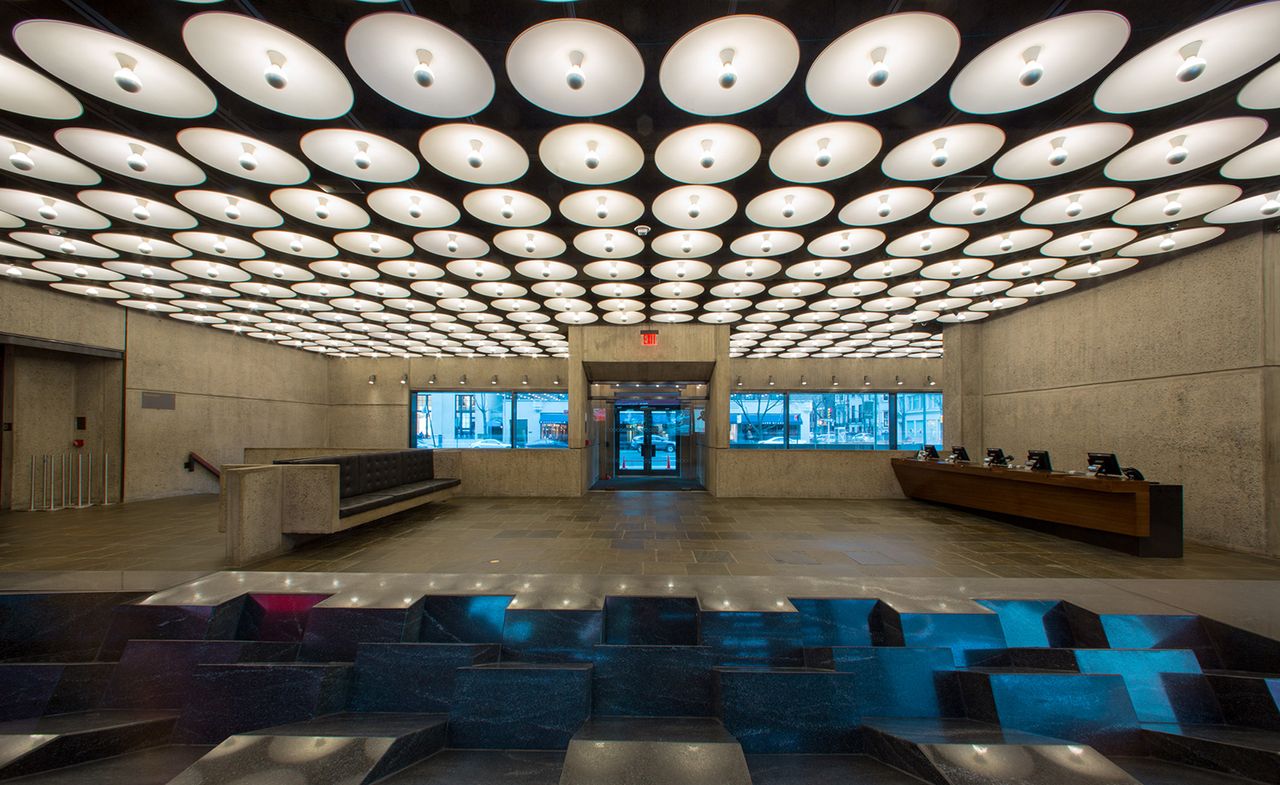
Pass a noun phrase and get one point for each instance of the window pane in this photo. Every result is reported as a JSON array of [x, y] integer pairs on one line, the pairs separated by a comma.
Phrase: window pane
[[757, 420], [843, 421], [461, 419], [542, 419], [919, 420]]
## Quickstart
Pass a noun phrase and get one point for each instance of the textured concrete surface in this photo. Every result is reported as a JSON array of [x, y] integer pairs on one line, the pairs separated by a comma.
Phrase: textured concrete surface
[[808, 474]]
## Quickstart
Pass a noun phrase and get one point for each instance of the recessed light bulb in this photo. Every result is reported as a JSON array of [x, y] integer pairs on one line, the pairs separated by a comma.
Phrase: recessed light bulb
[[141, 212], [886, 269], [1058, 155], [575, 77], [750, 268], [412, 270], [845, 247], [707, 160], [1074, 208], [1271, 205], [20, 160], [680, 270], [135, 161], [1171, 205], [1094, 269], [939, 157], [823, 158], [1006, 243], [879, 73], [69, 247], [1086, 242], [274, 72], [728, 74], [885, 209], [926, 242], [247, 160], [361, 159], [344, 271], [1178, 151], [1192, 65], [956, 269], [474, 159], [1039, 290], [220, 246], [592, 159], [231, 211], [125, 77], [415, 207], [422, 73], [375, 245], [608, 242], [145, 249], [1167, 243], [1032, 71], [529, 245], [47, 211], [295, 244], [979, 206], [789, 208], [452, 245]]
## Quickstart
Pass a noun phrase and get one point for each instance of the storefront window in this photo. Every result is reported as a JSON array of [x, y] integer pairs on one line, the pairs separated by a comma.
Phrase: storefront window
[[844, 421], [757, 420], [835, 420], [919, 420], [542, 419]]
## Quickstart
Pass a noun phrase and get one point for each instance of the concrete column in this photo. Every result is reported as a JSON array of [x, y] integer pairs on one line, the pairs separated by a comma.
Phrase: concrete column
[[962, 401], [717, 434], [579, 407], [1270, 289]]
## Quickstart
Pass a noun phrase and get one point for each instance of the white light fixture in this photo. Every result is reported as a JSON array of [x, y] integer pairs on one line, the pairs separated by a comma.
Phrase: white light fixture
[[1032, 71], [939, 157], [373, 378], [1192, 65], [866, 381], [1178, 151]]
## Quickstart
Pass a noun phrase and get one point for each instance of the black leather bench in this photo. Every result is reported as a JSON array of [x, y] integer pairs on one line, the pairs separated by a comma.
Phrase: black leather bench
[[369, 481]]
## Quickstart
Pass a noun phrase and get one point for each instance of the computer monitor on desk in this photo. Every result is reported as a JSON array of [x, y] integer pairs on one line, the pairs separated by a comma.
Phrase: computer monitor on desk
[[958, 454], [927, 453], [995, 457], [1104, 463], [1038, 461]]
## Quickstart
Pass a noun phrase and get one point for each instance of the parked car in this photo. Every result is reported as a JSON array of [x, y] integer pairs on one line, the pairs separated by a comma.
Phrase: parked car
[[489, 443], [774, 440]]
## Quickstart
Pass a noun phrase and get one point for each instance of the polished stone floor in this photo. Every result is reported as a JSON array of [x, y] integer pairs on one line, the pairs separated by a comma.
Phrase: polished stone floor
[[642, 533]]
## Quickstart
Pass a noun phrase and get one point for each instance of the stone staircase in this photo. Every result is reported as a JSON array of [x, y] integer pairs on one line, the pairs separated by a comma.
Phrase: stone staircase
[[458, 688]]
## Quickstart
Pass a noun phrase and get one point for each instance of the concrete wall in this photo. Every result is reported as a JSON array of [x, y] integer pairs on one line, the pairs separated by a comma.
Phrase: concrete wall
[[1169, 367], [807, 474]]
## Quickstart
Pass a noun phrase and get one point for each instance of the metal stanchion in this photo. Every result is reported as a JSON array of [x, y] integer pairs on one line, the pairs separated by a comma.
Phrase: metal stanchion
[[31, 491], [106, 479]]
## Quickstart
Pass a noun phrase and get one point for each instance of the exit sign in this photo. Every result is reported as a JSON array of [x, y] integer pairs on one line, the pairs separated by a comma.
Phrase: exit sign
[[648, 337]]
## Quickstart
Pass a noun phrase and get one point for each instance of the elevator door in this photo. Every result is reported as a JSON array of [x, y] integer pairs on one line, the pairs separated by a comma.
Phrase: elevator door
[[647, 440]]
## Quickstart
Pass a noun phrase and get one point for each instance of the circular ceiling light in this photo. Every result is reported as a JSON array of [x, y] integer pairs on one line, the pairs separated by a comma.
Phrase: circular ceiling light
[[413, 208], [347, 271], [1176, 205], [1193, 61], [1185, 149], [846, 242], [382, 246], [1261, 160], [1095, 269], [1026, 268], [729, 65], [114, 68], [823, 152], [885, 268], [41, 209], [267, 65], [243, 156], [613, 270], [1262, 91], [32, 160], [984, 203], [773, 243], [420, 65], [294, 243], [956, 269], [529, 243], [137, 209], [1090, 241], [14, 251], [279, 272], [321, 208], [694, 207], [33, 94], [14, 272], [708, 153], [600, 207], [817, 270], [1172, 241], [608, 243], [143, 246], [229, 208], [473, 153], [219, 245], [212, 271], [408, 268], [688, 244], [887, 206], [680, 270], [505, 207], [454, 245], [882, 63], [359, 155], [945, 151], [1008, 242], [590, 154], [790, 206], [1255, 208], [63, 245], [1077, 205], [1061, 151], [129, 156], [575, 67], [1037, 63], [481, 270], [927, 241]]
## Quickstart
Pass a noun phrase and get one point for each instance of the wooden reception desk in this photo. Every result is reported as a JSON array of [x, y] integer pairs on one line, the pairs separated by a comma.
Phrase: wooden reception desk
[[1138, 517]]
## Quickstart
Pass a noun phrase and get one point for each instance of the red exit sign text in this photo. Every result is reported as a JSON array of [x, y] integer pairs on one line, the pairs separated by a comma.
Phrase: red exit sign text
[[648, 337]]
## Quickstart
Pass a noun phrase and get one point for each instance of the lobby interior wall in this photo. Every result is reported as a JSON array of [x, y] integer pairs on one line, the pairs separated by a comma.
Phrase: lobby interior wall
[[1168, 372]]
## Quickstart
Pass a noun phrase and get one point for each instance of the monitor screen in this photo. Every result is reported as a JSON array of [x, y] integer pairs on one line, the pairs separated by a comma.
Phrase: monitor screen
[[928, 453], [1104, 463], [959, 453], [995, 456], [1038, 460]]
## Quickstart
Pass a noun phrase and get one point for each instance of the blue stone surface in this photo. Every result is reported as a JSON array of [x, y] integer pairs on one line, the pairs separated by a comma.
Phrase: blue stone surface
[[956, 631], [463, 619], [1086, 708], [651, 621], [412, 677], [157, 674], [790, 710], [753, 638], [523, 707], [653, 681], [1143, 673], [898, 682], [59, 627], [334, 633], [835, 622], [551, 635], [1032, 622], [33, 689], [236, 698]]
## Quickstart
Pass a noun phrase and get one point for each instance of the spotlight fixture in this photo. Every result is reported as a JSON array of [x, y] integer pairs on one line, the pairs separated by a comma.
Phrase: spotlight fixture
[[771, 383], [373, 377], [494, 380], [125, 77], [1032, 71], [738, 382], [135, 160], [474, 159], [1058, 155], [866, 381], [20, 159], [404, 378], [361, 159], [525, 380], [930, 382], [1178, 151], [897, 380], [247, 160], [432, 380], [803, 381], [463, 380], [1192, 65], [274, 72], [823, 158], [1074, 208], [556, 381], [879, 73], [422, 73], [574, 77], [707, 160], [728, 74], [939, 156], [1171, 205], [835, 382]]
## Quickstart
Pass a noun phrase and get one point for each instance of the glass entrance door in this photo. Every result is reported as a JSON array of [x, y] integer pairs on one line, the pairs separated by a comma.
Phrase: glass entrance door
[[647, 439]]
